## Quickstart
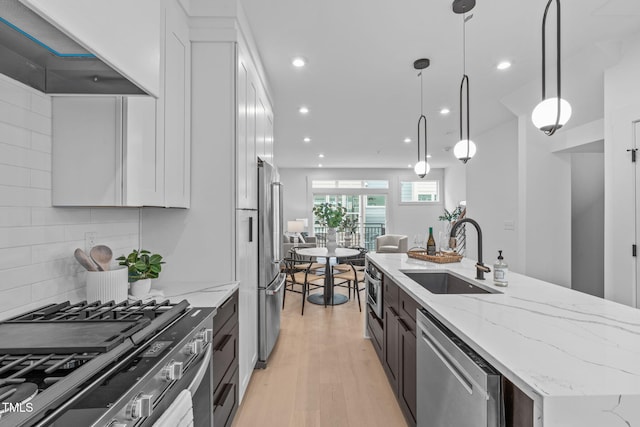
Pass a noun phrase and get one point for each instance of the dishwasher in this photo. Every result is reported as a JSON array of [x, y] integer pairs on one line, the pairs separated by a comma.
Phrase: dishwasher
[[456, 387]]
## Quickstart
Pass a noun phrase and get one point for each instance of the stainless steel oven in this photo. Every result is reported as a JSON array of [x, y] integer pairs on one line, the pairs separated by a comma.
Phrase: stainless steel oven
[[107, 364], [373, 280]]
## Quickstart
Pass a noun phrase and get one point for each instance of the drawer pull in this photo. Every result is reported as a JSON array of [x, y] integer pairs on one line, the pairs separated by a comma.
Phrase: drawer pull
[[224, 395], [223, 343]]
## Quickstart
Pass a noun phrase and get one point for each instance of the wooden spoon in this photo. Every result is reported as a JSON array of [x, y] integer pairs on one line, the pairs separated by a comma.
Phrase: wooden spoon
[[102, 256], [84, 260]]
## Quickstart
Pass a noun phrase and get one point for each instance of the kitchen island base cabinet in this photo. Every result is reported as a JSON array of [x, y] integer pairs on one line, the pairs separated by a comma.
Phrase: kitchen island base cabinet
[[399, 359], [225, 362]]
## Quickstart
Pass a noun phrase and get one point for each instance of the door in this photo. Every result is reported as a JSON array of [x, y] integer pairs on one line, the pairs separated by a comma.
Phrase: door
[[247, 275], [622, 207]]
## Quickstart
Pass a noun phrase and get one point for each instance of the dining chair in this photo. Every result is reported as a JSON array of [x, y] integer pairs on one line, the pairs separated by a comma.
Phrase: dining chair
[[351, 273], [299, 273]]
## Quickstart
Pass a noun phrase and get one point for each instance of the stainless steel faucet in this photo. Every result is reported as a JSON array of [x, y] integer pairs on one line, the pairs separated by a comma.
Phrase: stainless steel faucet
[[480, 267]]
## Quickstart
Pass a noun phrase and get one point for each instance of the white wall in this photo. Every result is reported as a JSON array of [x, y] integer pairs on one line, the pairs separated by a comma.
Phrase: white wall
[[587, 223], [455, 185], [401, 218], [492, 194], [36, 240], [622, 100]]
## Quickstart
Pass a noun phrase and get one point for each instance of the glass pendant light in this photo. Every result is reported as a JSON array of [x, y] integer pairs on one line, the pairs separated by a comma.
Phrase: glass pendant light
[[551, 113], [422, 168], [465, 149]]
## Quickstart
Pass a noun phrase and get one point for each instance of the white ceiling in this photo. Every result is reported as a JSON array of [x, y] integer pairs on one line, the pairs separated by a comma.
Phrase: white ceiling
[[360, 86]]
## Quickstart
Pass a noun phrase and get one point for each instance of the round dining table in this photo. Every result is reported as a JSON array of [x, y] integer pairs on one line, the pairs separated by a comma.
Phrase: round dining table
[[328, 297]]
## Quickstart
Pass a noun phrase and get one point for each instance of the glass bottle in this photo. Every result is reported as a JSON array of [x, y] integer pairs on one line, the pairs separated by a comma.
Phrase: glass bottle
[[500, 271], [431, 243]]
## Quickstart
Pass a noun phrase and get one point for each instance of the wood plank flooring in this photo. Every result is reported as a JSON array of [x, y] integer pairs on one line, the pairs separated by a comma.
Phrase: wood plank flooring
[[322, 373]]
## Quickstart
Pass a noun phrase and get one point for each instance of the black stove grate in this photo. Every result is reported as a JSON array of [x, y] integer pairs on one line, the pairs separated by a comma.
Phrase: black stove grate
[[107, 311]]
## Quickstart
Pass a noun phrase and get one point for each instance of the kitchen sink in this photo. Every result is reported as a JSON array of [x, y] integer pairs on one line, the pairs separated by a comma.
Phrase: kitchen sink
[[446, 283]]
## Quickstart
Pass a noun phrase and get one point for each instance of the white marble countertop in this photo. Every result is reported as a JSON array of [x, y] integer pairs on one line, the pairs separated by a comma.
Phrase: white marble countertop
[[199, 294], [576, 355]]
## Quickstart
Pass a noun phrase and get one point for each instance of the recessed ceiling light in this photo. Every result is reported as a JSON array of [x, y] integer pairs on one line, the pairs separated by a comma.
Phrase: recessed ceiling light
[[307, 139], [428, 156], [409, 166], [503, 65], [319, 165], [445, 111], [407, 140], [321, 156], [299, 62], [303, 110]]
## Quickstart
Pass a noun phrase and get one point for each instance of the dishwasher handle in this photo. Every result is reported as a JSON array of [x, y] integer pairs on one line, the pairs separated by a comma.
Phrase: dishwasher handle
[[459, 375]]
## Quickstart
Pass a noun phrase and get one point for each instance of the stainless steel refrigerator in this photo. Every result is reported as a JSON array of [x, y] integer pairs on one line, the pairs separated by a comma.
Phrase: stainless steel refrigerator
[[271, 279]]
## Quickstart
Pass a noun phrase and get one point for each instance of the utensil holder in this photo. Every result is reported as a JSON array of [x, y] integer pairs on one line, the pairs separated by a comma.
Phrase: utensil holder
[[107, 285]]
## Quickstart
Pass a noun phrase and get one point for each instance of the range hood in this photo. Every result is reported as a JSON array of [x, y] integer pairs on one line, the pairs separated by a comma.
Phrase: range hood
[[39, 55]]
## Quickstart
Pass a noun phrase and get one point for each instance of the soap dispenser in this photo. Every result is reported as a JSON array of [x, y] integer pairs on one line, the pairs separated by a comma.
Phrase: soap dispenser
[[500, 270]]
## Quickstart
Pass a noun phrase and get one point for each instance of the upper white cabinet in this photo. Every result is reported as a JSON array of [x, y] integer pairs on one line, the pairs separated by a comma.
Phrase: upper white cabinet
[[124, 34], [254, 128], [104, 150], [140, 146], [176, 102]]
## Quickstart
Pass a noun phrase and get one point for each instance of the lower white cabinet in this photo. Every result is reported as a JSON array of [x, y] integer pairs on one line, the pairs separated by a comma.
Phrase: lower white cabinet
[[247, 275]]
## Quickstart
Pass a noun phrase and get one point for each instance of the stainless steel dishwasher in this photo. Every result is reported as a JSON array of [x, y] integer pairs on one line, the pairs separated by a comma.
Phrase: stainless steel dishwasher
[[456, 387]]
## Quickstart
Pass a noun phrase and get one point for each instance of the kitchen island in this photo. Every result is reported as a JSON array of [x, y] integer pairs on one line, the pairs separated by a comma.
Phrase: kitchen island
[[576, 356]]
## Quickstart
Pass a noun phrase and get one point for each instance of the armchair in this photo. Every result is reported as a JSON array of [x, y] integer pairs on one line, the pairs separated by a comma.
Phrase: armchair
[[392, 243]]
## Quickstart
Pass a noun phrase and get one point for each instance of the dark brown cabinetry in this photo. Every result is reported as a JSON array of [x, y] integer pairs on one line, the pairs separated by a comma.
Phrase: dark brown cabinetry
[[400, 346], [225, 362]]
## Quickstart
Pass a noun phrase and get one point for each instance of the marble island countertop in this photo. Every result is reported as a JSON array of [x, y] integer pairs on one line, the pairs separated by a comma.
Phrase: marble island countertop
[[577, 356]]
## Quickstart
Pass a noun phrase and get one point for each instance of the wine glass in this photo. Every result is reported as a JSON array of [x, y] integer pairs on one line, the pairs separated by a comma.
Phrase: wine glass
[[418, 241]]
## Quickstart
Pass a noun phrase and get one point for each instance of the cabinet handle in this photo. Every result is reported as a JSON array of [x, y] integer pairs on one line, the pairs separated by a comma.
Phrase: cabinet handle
[[223, 343], [404, 325], [393, 312], [223, 397], [250, 229]]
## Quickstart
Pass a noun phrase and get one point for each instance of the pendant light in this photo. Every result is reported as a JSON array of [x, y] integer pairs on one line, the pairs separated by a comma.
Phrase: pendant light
[[422, 168], [551, 113], [465, 149]]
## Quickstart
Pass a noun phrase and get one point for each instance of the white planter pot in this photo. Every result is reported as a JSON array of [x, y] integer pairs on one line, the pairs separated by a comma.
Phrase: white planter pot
[[107, 285], [140, 288]]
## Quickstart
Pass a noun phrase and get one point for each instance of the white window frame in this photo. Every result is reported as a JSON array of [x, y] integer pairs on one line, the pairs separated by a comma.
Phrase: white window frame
[[420, 202]]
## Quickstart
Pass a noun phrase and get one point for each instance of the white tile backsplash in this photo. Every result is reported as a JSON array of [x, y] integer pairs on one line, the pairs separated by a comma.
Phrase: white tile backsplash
[[37, 240], [13, 135]]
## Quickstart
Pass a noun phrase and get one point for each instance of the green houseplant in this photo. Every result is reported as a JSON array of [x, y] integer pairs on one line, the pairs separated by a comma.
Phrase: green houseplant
[[142, 266], [330, 216]]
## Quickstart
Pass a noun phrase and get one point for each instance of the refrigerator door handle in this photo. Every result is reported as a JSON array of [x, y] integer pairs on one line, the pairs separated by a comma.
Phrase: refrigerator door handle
[[276, 217], [275, 291], [250, 229]]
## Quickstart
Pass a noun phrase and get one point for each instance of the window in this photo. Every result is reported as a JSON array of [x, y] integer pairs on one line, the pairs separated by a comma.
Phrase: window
[[350, 183], [419, 191]]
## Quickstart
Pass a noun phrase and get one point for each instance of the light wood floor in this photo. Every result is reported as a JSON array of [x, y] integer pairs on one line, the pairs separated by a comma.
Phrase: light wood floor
[[322, 373]]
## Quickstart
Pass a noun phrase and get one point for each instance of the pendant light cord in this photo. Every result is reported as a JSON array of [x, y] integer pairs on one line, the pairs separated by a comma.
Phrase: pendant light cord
[[544, 62], [465, 80], [423, 120]]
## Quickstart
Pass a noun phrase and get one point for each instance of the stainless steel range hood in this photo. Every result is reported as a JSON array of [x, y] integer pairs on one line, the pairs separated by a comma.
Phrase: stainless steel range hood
[[39, 55]]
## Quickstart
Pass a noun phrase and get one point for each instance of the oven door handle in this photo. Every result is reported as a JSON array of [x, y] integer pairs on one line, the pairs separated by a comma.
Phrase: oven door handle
[[371, 279], [204, 365]]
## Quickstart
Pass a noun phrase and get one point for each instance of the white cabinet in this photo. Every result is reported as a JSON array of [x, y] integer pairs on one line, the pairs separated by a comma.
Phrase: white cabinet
[[176, 102], [104, 151], [247, 275], [139, 147], [254, 127]]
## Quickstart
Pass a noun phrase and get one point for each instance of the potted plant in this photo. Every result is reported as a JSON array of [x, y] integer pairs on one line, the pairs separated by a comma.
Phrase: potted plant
[[349, 226], [142, 266], [330, 216]]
